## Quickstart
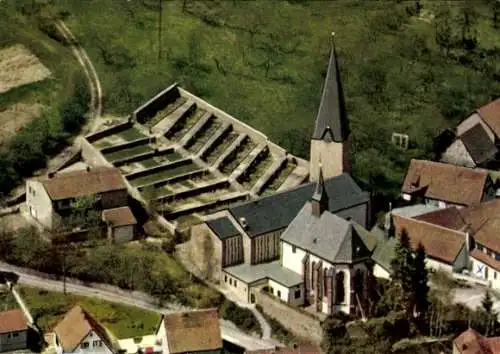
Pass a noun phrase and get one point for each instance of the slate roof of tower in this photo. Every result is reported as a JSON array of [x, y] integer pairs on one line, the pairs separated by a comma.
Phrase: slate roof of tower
[[278, 210], [331, 121], [328, 237], [223, 228], [478, 144]]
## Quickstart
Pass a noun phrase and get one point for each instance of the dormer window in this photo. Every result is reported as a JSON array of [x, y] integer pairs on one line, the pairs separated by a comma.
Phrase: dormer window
[[415, 182]]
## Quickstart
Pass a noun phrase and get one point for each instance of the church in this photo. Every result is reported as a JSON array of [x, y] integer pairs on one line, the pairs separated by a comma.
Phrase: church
[[307, 246]]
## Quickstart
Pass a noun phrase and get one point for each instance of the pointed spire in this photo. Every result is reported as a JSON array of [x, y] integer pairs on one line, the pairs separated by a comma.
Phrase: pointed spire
[[331, 121], [320, 198]]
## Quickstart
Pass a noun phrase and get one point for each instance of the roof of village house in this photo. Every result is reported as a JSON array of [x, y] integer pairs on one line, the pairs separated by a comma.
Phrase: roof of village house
[[119, 216], [487, 234], [74, 328], [81, 183], [12, 321], [490, 113], [475, 216], [331, 122], [272, 270], [275, 212], [486, 259], [384, 253], [223, 227], [450, 183], [328, 237], [471, 342], [411, 211], [450, 218], [193, 331], [440, 243], [478, 144]]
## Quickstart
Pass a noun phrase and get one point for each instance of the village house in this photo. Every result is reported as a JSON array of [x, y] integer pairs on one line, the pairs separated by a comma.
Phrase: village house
[[13, 331], [191, 332], [49, 199], [477, 139], [446, 185], [79, 332], [471, 342]]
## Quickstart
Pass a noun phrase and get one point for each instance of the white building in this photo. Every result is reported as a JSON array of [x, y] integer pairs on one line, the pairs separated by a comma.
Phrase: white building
[[79, 333]]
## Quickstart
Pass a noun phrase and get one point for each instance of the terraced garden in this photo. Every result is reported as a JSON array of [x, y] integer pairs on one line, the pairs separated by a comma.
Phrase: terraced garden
[[183, 155]]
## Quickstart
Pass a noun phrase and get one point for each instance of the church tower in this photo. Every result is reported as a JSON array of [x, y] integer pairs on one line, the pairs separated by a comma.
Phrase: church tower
[[330, 141]]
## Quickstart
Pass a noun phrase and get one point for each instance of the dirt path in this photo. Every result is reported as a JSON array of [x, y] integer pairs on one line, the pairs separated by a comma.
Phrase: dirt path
[[89, 69]]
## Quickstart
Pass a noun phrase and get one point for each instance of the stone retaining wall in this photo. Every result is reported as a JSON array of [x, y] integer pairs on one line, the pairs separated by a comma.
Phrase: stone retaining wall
[[73, 158], [159, 168], [109, 131], [128, 144], [195, 191], [156, 104], [187, 175], [301, 323], [91, 155]]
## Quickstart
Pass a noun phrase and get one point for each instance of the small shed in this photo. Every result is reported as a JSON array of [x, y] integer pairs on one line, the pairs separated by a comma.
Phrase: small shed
[[121, 224]]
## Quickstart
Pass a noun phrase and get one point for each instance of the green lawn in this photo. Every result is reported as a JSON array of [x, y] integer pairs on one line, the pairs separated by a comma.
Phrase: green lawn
[[264, 62], [49, 307], [159, 176], [7, 300], [133, 133], [127, 152]]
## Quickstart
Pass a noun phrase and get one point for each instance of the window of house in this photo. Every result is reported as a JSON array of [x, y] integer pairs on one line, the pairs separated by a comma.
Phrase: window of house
[[235, 283], [297, 293], [15, 334], [230, 281], [97, 343], [494, 275], [479, 247], [294, 249], [225, 278], [497, 256], [85, 345], [279, 293], [271, 290]]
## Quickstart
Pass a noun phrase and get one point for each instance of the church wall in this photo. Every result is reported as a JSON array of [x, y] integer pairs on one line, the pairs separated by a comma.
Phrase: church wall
[[333, 157]]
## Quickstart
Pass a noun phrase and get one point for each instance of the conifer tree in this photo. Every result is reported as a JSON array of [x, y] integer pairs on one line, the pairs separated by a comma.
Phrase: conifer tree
[[420, 280], [402, 273], [487, 304]]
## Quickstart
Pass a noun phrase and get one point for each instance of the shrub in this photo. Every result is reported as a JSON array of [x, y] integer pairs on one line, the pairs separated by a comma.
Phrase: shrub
[[241, 317]]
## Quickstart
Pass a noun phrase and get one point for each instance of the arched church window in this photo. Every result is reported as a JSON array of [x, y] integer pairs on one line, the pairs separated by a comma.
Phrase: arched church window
[[339, 288]]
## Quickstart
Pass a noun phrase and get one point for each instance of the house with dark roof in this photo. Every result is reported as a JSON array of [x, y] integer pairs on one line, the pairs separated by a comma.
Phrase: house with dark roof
[[13, 331], [471, 342], [79, 332], [191, 332], [49, 199], [444, 184]]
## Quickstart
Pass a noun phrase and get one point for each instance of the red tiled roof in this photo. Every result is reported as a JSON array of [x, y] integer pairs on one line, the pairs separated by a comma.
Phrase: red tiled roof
[[490, 113], [477, 215], [81, 183], [449, 183], [12, 321], [193, 331], [488, 236], [484, 258], [119, 216], [440, 243], [471, 342], [447, 217]]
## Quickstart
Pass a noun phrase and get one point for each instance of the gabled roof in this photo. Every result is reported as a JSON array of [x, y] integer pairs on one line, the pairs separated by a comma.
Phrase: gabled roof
[[449, 183], [331, 121], [12, 321], [119, 216], [193, 331], [81, 183], [328, 237], [487, 235], [471, 342], [275, 212], [486, 259], [223, 228], [440, 243], [478, 144], [385, 252], [75, 326], [490, 113], [475, 216], [450, 218]]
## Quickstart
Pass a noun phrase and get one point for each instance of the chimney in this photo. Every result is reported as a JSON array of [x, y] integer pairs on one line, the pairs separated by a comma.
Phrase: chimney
[[243, 222]]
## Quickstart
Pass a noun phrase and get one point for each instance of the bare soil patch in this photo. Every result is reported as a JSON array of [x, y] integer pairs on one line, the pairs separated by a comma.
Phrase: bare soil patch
[[15, 117], [18, 66]]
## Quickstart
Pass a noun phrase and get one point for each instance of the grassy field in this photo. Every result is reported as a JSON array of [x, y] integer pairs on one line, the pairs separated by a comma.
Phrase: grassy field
[[264, 62], [123, 321]]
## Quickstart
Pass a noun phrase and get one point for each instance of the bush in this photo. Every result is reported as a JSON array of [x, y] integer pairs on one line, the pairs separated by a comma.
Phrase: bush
[[241, 317], [394, 327]]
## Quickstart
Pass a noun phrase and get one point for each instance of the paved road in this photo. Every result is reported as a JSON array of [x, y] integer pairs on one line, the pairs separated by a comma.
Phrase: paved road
[[229, 331]]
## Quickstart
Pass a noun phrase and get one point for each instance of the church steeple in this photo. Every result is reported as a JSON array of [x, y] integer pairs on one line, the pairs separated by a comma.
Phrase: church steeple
[[331, 141], [331, 121], [320, 198]]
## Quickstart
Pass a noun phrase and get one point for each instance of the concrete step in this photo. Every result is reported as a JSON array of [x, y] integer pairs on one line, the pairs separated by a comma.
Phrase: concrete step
[[230, 149], [274, 168], [197, 206], [213, 139], [195, 129], [164, 126], [241, 168]]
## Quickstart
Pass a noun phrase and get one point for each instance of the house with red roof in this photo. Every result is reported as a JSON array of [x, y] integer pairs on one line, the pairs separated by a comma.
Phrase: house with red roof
[[13, 330]]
